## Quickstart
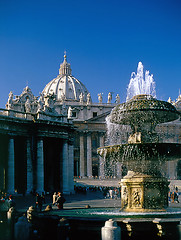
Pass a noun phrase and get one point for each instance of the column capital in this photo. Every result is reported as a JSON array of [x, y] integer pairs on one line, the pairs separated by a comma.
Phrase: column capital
[[88, 133], [102, 134], [81, 133], [39, 138]]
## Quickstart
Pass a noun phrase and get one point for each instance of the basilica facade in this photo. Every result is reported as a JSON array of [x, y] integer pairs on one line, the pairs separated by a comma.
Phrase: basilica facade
[[46, 140]]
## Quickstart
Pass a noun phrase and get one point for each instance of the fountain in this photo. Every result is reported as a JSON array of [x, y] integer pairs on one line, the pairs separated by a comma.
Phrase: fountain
[[144, 189]]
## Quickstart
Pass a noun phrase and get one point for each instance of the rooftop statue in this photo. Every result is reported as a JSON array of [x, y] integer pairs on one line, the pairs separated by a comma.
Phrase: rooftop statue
[[109, 97], [100, 97], [70, 112], [117, 98], [28, 105], [88, 98], [9, 104], [81, 98]]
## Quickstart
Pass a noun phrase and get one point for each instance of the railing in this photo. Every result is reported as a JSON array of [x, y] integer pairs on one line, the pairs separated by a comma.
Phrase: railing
[[34, 116]]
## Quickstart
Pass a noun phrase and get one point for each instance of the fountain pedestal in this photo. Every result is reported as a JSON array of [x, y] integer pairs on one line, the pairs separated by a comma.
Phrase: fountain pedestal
[[143, 193]]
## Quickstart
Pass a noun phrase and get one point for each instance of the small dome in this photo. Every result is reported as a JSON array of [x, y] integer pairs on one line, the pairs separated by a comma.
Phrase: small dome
[[65, 86]]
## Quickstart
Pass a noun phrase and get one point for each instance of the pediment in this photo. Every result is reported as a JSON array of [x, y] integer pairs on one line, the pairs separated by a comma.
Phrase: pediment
[[26, 94]]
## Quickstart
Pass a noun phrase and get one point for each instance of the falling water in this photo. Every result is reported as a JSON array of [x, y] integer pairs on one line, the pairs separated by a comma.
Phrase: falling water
[[140, 84], [116, 133]]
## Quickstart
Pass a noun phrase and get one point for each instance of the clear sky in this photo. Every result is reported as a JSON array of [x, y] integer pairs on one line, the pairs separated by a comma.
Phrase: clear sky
[[104, 41]]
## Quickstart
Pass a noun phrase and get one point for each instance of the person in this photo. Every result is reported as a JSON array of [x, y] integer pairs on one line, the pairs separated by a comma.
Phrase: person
[[176, 196], [43, 197], [169, 197], [111, 193], [2, 199], [60, 201], [173, 197], [54, 198], [11, 201], [39, 202]]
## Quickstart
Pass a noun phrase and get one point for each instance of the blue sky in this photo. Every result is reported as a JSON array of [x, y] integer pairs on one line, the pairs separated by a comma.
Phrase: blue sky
[[104, 41]]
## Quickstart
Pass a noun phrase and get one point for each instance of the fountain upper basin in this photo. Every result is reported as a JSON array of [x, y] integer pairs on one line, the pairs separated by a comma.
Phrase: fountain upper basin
[[143, 109]]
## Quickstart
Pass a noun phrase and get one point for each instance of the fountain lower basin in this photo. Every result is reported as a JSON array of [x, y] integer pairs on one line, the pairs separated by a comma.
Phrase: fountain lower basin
[[112, 212], [148, 151]]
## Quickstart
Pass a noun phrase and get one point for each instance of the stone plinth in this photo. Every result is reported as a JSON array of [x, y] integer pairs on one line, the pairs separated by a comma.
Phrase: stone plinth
[[143, 193]]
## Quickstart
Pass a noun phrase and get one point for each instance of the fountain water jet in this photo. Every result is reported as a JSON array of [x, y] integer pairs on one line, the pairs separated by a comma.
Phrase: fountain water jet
[[140, 83]]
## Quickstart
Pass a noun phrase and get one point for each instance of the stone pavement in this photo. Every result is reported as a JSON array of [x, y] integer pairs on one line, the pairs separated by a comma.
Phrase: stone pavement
[[79, 200], [94, 199]]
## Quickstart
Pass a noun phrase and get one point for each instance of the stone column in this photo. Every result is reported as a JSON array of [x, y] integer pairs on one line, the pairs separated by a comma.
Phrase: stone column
[[65, 168], [89, 155], [101, 160], [82, 165], [2, 176], [29, 166], [11, 168], [40, 167], [71, 167]]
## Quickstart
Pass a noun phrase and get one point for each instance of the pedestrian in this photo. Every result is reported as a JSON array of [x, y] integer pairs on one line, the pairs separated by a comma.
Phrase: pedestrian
[[111, 193], [176, 196], [11, 201], [54, 198], [116, 193], [43, 197], [39, 202], [169, 197], [60, 201], [173, 197]]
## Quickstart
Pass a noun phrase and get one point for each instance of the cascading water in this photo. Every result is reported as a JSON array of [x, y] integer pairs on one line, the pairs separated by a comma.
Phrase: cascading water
[[116, 133], [132, 141], [140, 84]]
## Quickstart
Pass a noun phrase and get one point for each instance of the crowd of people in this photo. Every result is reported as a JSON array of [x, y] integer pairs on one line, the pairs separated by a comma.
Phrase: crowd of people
[[6, 202], [108, 192]]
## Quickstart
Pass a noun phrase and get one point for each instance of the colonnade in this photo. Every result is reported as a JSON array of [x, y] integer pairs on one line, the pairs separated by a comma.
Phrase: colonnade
[[86, 157], [37, 171]]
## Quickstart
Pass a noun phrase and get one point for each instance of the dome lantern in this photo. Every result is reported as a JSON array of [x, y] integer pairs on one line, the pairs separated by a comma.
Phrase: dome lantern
[[65, 68]]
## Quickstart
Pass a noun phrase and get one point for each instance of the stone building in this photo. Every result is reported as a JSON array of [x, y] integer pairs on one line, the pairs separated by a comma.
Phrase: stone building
[[36, 146], [88, 118], [46, 140]]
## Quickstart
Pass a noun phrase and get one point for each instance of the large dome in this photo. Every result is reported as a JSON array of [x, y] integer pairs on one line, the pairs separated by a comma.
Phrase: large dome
[[65, 86]]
